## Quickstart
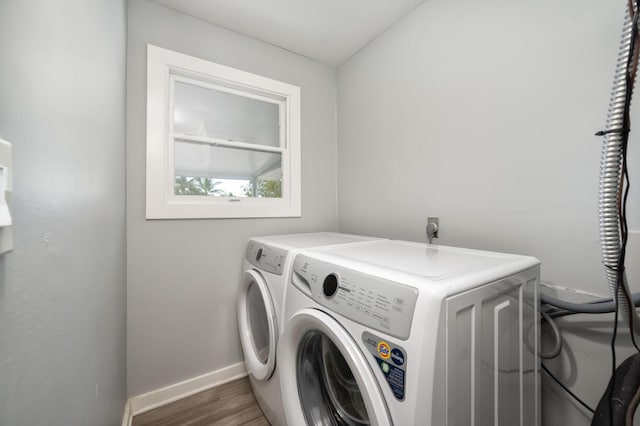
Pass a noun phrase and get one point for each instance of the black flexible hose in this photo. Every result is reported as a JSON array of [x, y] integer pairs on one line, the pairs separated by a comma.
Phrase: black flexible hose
[[619, 402]]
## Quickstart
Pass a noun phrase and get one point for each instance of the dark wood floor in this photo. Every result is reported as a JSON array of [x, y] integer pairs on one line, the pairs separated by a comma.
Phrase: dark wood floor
[[231, 404]]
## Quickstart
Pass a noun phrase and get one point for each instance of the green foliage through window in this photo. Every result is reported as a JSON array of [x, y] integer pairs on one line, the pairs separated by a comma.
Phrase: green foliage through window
[[268, 188], [197, 186], [204, 186]]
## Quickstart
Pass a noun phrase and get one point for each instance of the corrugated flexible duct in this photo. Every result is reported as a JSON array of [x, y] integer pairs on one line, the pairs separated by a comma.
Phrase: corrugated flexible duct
[[611, 181]]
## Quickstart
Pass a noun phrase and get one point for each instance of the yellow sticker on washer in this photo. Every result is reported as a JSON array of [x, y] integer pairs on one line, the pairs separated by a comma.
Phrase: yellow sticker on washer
[[384, 350]]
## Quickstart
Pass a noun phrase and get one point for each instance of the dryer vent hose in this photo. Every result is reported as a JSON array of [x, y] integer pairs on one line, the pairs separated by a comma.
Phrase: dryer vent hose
[[625, 385], [611, 179]]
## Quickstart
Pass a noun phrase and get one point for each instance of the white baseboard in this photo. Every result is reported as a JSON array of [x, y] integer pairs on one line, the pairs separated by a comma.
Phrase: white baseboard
[[127, 418], [148, 401]]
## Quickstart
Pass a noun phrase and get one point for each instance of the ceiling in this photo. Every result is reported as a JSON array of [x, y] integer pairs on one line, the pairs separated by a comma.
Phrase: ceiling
[[329, 31]]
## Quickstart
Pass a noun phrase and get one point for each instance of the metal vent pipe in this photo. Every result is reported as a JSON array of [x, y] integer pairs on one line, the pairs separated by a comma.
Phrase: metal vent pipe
[[611, 181]]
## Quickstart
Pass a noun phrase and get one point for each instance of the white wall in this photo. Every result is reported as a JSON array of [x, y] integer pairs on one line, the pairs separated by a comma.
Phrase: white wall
[[483, 113], [183, 275], [62, 289]]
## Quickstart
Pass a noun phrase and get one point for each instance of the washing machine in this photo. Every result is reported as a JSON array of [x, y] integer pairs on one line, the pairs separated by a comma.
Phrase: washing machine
[[401, 333], [267, 265]]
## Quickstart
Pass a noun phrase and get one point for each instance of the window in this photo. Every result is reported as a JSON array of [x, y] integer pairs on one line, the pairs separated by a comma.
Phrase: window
[[220, 142]]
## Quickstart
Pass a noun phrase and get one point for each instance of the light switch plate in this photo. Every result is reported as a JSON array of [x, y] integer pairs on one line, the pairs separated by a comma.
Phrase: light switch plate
[[6, 232]]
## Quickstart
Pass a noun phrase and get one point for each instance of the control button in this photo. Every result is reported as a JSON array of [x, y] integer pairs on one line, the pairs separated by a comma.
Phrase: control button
[[330, 285], [259, 254]]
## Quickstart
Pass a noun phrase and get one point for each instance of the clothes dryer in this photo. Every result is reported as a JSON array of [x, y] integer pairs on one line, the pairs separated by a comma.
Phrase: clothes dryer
[[402, 333], [261, 299]]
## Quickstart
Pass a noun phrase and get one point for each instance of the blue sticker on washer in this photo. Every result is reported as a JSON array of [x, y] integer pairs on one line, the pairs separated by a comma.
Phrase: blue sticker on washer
[[394, 376], [397, 356], [392, 361]]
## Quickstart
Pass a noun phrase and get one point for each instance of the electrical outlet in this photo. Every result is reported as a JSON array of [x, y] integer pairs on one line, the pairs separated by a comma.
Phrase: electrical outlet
[[433, 227]]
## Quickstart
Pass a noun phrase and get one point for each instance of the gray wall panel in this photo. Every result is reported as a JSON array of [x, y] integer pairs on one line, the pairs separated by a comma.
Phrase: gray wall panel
[[483, 113], [62, 289], [183, 275]]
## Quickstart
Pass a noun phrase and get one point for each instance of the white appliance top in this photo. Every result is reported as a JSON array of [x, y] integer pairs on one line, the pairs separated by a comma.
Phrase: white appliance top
[[312, 239], [433, 262]]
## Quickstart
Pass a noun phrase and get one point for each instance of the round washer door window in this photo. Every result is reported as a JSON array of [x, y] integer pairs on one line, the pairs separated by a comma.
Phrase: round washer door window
[[257, 324], [325, 379]]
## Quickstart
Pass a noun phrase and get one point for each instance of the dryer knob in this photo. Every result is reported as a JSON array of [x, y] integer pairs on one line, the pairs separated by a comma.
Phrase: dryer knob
[[330, 285], [259, 254]]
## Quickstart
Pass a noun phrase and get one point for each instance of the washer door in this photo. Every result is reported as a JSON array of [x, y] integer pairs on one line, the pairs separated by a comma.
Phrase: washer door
[[257, 324], [324, 377]]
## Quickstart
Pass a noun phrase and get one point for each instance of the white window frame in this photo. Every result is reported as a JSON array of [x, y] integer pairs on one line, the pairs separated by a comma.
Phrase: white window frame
[[164, 66]]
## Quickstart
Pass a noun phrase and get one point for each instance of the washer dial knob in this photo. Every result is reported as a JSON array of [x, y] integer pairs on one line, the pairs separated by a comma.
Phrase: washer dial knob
[[330, 285]]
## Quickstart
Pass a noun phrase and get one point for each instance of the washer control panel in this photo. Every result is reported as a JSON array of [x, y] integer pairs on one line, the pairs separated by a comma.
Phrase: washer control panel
[[267, 258], [380, 304]]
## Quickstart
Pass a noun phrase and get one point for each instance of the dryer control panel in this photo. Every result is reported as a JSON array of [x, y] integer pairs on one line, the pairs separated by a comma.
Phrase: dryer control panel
[[267, 258], [374, 302]]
